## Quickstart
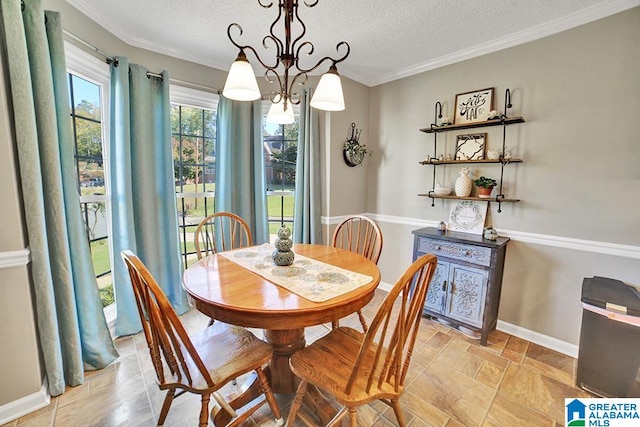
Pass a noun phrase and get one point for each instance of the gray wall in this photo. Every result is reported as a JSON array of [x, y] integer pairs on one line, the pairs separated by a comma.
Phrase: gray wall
[[19, 356], [579, 92]]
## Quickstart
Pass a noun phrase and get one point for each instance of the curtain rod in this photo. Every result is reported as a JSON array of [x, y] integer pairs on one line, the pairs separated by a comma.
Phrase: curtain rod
[[86, 44], [156, 75], [109, 59]]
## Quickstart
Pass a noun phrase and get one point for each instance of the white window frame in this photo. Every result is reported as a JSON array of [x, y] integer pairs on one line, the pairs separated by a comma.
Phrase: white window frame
[[190, 97], [83, 64]]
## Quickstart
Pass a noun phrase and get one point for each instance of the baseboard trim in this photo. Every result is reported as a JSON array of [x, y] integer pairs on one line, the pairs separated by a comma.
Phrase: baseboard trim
[[13, 259], [384, 286], [538, 338], [523, 333], [25, 405]]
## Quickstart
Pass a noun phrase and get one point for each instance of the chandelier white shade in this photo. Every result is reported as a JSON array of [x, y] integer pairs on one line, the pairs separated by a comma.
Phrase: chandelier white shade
[[328, 95], [241, 84], [285, 70], [277, 113]]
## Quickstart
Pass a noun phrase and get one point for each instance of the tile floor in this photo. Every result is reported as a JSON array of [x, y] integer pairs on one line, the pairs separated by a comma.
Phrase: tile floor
[[453, 382]]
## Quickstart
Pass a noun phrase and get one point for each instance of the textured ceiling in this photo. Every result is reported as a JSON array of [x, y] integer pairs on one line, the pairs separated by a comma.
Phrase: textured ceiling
[[388, 39]]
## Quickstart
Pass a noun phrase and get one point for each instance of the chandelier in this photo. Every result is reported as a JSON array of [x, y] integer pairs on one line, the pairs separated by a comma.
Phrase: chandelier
[[241, 84]]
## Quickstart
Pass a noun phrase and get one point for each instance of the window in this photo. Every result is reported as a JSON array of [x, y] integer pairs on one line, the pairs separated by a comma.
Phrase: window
[[193, 131], [88, 79], [281, 152], [193, 139]]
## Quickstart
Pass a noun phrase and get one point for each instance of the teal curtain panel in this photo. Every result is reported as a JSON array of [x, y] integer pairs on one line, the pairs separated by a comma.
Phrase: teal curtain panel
[[73, 332], [307, 207], [241, 186], [143, 198]]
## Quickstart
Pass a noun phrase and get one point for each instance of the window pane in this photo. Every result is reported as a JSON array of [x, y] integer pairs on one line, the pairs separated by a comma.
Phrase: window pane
[[191, 121], [193, 140], [281, 150], [209, 123], [209, 161], [95, 219], [175, 119], [86, 96], [89, 139], [187, 158], [105, 286], [100, 256]]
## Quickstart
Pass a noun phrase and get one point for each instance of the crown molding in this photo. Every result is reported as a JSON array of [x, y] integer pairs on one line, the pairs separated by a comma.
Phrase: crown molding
[[584, 16], [86, 9]]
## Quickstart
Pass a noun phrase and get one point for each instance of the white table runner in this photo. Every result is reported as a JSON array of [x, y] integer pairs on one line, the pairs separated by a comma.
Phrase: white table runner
[[311, 279]]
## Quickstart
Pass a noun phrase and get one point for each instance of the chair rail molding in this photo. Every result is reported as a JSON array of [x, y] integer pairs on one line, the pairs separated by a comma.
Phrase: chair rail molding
[[604, 248], [13, 259]]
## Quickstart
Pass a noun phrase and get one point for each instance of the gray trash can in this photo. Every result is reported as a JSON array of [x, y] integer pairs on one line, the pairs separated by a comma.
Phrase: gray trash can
[[609, 354]]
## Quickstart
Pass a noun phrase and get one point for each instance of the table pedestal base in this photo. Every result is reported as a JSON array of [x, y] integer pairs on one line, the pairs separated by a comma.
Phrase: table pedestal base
[[284, 344], [281, 379]]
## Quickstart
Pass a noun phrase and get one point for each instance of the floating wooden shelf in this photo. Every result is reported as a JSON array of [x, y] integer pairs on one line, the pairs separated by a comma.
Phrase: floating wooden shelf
[[459, 162], [495, 122], [476, 199]]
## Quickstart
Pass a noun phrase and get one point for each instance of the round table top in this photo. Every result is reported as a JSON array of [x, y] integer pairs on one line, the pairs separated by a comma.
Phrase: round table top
[[232, 294]]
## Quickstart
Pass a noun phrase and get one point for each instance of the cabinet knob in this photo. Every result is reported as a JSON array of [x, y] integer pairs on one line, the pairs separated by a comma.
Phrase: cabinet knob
[[468, 252], [438, 248]]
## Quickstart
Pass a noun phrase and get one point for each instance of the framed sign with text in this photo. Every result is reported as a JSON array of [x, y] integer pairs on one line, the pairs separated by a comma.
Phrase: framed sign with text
[[473, 106]]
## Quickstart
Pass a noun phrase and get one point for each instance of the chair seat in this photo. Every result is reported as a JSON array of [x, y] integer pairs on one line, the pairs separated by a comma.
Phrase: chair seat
[[338, 351], [227, 351], [357, 368]]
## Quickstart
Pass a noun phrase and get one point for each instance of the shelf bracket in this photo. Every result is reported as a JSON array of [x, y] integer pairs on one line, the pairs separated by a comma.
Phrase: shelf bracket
[[507, 102]]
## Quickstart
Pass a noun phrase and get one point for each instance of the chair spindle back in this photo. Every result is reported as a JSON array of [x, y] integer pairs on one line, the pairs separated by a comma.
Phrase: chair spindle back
[[394, 329], [361, 235], [220, 232], [169, 345]]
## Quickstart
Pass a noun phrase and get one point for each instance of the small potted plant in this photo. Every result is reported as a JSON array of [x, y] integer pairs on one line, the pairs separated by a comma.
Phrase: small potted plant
[[485, 186]]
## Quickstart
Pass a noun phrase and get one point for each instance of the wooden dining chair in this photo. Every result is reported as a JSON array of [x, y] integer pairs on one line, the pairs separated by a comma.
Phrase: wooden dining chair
[[201, 364], [221, 231], [359, 234], [357, 368]]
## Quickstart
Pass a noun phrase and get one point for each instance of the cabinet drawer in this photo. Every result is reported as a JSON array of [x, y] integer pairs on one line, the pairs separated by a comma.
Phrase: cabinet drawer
[[474, 254]]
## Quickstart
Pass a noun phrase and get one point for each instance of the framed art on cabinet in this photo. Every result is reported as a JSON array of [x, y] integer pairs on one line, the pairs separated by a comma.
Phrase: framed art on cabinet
[[472, 107], [468, 216]]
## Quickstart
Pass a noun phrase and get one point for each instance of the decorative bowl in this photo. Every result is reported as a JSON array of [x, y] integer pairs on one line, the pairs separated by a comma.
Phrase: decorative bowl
[[442, 191]]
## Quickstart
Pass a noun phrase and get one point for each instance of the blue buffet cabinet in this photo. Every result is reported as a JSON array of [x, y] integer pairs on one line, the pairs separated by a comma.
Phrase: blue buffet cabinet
[[465, 289]]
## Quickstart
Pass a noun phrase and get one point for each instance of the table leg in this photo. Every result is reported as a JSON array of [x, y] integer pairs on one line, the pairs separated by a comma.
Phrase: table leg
[[284, 343]]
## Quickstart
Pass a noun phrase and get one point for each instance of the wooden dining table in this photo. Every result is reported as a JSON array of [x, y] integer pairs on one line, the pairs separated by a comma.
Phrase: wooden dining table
[[228, 292]]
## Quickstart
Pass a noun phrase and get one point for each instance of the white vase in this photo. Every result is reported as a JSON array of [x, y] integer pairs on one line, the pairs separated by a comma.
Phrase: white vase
[[463, 183]]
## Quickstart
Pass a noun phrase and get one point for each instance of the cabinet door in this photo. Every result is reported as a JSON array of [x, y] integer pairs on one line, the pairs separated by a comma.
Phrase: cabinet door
[[437, 292], [467, 292]]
